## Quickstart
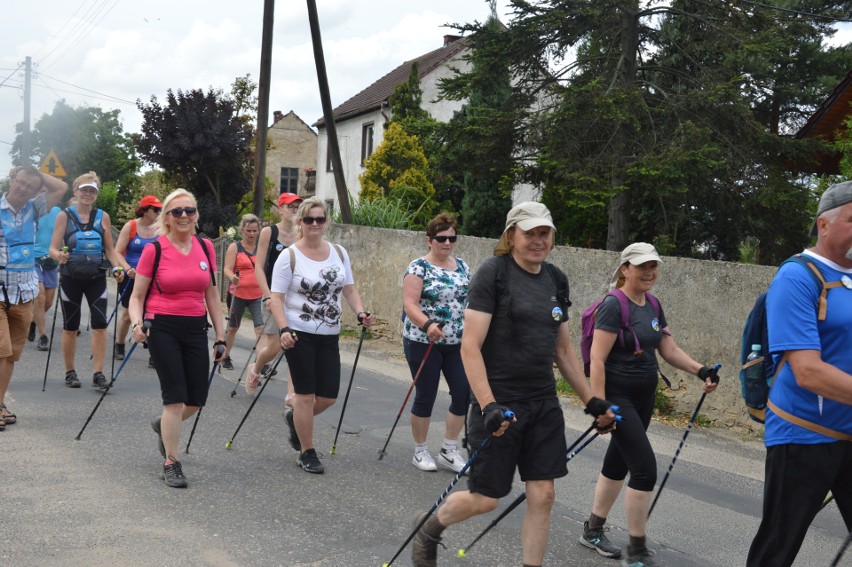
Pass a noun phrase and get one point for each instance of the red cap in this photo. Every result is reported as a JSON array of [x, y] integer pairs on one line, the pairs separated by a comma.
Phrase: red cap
[[150, 201], [287, 198]]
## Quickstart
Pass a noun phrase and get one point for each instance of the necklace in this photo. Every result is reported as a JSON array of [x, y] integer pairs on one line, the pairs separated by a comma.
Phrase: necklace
[[182, 248]]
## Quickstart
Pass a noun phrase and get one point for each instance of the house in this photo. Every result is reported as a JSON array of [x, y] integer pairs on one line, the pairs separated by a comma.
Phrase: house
[[825, 124], [291, 154]]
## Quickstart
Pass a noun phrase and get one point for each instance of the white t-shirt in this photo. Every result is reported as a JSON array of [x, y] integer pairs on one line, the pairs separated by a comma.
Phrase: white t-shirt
[[313, 291]]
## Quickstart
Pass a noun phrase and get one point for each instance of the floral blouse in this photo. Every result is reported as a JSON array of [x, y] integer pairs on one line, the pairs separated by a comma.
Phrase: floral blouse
[[442, 299]]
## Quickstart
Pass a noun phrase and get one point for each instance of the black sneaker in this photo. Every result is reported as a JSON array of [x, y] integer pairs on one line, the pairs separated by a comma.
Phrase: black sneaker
[[119, 351], [150, 362], [310, 462], [424, 548], [642, 559], [227, 363], [595, 538], [43, 343], [31, 334], [71, 379], [294, 437], [155, 425], [99, 381], [173, 475], [265, 370]]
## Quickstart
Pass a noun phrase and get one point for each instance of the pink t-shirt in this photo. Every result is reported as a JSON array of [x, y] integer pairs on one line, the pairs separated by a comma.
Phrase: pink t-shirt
[[181, 279]]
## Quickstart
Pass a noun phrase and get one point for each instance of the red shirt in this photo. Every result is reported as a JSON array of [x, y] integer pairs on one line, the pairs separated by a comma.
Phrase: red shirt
[[180, 282]]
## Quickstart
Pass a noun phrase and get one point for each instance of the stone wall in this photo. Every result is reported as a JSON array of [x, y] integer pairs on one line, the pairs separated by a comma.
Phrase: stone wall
[[706, 303]]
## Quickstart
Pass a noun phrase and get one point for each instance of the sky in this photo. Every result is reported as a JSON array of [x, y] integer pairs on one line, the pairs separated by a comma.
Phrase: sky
[[110, 53]]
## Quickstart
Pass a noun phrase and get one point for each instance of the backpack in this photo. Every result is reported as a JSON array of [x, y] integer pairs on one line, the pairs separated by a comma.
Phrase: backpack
[[587, 326], [755, 386], [503, 292]]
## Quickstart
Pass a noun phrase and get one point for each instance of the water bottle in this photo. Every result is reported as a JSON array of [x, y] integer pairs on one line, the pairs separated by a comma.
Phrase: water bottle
[[755, 387]]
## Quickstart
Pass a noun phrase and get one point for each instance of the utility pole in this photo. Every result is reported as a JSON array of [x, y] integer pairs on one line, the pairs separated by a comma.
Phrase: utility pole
[[26, 143], [328, 116], [263, 108]]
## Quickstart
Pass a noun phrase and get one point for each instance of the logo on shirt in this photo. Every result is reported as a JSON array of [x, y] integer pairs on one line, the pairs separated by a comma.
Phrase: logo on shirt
[[203, 265], [137, 241], [279, 247], [25, 252], [655, 324], [556, 314], [847, 283]]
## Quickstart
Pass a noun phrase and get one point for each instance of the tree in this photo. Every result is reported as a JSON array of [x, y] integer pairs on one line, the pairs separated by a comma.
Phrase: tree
[[398, 162]]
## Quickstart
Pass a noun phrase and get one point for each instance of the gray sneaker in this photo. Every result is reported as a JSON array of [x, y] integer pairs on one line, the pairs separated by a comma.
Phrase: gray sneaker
[[595, 538], [424, 548], [173, 475], [642, 559], [71, 379], [43, 344], [99, 381]]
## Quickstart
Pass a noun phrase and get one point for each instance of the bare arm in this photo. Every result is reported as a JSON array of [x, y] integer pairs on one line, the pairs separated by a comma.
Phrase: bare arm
[[109, 247], [476, 325], [55, 250], [54, 189], [569, 365], [228, 265], [214, 309], [136, 306], [820, 377], [260, 262], [412, 287], [602, 343], [353, 299], [675, 356]]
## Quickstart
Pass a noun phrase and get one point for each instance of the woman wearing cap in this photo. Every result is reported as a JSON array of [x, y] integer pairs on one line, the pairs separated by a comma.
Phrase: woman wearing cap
[[514, 329], [239, 270], [82, 244], [134, 235], [434, 291], [628, 378]]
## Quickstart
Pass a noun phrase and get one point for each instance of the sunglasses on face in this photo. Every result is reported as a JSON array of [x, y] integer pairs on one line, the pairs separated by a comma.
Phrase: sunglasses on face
[[312, 220], [155, 209], [178, 212], [443, 239], [88, 190]]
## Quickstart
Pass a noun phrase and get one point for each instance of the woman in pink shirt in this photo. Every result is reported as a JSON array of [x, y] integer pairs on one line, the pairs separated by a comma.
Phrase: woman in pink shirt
[[176, 296]]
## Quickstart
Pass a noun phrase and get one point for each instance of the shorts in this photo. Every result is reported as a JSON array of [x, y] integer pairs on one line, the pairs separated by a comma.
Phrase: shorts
[[125, 290], [14, 325], [270, 327], [238, 307], [181, 356], [535, 445], [71, 293], [315, 365], [48, 278]]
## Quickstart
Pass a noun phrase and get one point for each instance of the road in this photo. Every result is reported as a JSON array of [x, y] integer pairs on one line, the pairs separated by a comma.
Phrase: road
[[99, 501]]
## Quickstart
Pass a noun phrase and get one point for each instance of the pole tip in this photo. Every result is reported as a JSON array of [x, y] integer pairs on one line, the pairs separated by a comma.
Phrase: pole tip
[[462, 553], [333, 451], [228, 445]]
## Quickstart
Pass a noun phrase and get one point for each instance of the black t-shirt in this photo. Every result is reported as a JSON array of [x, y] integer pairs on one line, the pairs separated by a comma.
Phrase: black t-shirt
[[521, 343], [622, 359]]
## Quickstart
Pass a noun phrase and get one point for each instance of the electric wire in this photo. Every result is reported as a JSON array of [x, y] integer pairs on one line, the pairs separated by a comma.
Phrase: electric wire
[[72, 30], [11, 74], [63, 28], [84, 34], [85, 89]]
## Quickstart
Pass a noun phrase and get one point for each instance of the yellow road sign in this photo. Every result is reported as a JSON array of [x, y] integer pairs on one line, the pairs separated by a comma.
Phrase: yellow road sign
[[52, 166]]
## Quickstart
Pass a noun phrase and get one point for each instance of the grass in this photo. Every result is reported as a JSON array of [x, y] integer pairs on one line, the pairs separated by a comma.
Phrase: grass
[[356, 333]]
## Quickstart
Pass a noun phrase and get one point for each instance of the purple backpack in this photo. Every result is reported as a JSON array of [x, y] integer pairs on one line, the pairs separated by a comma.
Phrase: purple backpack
[[587, 324]]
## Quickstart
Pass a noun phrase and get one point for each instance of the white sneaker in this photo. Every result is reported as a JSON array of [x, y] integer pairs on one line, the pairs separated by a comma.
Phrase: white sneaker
[[423, 460], [451, 460]]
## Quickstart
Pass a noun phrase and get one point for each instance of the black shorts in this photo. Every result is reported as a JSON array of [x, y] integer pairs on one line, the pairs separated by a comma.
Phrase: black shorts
[[71, 293], [125, 290], [535, 445], [315, 365], [181, 356]]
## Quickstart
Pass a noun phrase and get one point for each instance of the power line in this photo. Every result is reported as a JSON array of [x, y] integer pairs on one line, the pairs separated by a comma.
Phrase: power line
[[63, 28], [87, 32], [106, 97], [85, 89], [12, 73], [796, 12]]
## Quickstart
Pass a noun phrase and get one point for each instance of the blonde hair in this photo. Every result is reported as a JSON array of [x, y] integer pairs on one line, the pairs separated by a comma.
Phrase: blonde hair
[[90, 177], [305, 208], [249, 219], [160, 226]]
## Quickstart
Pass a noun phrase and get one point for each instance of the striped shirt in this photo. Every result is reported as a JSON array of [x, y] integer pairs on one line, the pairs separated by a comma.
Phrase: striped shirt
[[21, 287]]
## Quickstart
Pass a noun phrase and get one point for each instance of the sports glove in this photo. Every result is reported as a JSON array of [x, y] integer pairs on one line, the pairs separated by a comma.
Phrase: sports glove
[[494, 415]]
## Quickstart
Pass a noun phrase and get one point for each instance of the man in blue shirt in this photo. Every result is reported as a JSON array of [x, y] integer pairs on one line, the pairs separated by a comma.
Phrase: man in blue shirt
[[809, 415]]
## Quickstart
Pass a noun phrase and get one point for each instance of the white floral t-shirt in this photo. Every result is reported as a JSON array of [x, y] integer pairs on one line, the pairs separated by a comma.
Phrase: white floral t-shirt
[[442, 299]]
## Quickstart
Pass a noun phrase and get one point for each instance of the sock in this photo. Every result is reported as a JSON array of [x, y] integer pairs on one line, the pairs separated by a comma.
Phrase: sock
[[596, 522], [433, 527], [449, 445], [420, 447], [636, 545]]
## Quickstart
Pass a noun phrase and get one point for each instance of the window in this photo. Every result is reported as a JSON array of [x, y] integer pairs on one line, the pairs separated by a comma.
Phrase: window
[[366, 141], [289, 180], [329, 206]]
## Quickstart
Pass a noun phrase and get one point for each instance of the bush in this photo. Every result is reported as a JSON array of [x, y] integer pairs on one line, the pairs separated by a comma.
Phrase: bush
[[381, 213]]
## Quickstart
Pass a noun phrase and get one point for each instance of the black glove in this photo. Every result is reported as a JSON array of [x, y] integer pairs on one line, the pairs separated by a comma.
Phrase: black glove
[[597, 407], [494, 415], [706, 372]]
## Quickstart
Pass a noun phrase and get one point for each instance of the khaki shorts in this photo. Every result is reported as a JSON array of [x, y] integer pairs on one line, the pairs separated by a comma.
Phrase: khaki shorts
[[271, 327], [14, 325]]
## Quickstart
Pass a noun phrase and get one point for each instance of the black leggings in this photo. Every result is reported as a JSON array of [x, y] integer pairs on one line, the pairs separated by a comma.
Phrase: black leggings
[[178, 346], [446, 358], [630, 449], [71, 294]]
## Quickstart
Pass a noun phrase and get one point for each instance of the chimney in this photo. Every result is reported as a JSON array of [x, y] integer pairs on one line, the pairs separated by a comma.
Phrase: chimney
[[448, 39], [277, 117]]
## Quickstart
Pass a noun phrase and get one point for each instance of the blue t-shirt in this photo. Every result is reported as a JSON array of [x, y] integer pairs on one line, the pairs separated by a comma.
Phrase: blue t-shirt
[[791, 310], [45, 232]]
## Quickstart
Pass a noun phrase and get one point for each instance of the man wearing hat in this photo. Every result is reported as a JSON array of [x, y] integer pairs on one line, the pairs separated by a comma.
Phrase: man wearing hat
[[514, 329], [809, 413]]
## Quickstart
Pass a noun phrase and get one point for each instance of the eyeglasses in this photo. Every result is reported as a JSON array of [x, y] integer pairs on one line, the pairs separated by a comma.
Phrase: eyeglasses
[[443, 238], [89, 190], [155, 209], [312, 220], [293, 208], [178, 212]]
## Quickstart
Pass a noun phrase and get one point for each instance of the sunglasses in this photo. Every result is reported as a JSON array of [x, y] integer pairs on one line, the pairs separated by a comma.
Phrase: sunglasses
[[443, 238], [312, 220], [88, 190], [155, 209], [178, 212]]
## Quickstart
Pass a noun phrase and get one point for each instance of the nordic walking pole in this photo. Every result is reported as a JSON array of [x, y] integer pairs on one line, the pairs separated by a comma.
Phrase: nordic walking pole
[[842, 550], [266, 377], [50, 346], [248, 360], [715, 379], [349, 389], [507, 415], [405, 401], [118, 298], [219, 350]]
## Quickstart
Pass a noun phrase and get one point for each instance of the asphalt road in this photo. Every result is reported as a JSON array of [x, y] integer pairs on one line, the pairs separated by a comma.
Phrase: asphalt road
[[99, 500]]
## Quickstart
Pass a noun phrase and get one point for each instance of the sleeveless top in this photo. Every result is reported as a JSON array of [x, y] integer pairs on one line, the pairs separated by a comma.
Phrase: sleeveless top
[[244, 264], [275, 249], [84, 240], [135, 246]]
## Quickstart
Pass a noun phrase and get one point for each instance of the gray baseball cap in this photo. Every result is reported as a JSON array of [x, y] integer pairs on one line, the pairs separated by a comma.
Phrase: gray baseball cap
[[835, 196]]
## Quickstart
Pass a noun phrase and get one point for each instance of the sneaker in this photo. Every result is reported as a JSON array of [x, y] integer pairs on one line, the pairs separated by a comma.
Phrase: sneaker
[[423, 460], [266, 368], [151, 362], [596, 539], [642, 559], [71, 379], [119, 351], [31, 334], [155, 425], [450, 460], [227, 363], [43, 343], [99, 381], [252, 381], [424, 548], [173, 475], [294, 437], [310, 462]]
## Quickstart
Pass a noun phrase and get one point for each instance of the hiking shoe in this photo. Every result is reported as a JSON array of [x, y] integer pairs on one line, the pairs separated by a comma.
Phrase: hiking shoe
[[423, 460], [31, 334], [173, 475], [155, 425], [252, 381], [71, 379], [294, 437], [43, 344], [227, 363], [642, 559], [424, 548], [595, 538], [119, 351], [310, 462], [99, 381], [151, 362], [450, 460]]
